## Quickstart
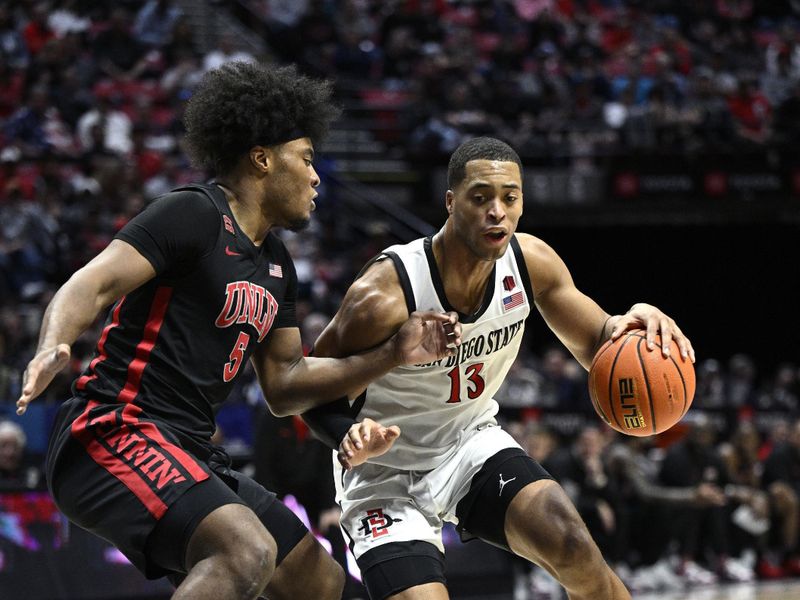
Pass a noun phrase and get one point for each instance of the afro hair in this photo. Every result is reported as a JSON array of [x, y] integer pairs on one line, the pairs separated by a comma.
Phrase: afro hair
[[240, 105]]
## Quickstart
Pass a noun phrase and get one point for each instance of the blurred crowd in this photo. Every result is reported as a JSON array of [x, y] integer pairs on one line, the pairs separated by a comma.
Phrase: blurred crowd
[[568, 79], [91, 95]]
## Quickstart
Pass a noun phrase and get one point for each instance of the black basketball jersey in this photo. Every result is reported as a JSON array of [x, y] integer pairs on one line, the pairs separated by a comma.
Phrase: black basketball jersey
[[175, 345]]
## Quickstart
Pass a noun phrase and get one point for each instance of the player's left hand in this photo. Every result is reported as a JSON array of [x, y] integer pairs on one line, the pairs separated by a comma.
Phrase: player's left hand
[[365, 440], [653, 321], [40, 372], [426, 337]]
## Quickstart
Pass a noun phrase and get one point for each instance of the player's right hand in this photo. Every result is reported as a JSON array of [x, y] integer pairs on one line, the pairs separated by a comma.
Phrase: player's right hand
[[365, 440], [40, 372]]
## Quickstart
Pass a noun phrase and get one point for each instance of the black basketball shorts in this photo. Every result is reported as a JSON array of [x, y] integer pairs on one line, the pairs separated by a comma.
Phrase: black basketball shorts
[[121, 476]]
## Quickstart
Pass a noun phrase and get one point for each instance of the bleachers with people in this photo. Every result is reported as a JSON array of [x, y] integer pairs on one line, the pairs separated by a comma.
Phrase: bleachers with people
[[91, 100]]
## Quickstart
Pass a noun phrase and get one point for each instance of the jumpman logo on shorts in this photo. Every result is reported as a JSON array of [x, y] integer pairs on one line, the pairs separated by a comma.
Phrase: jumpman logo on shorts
[[503, 483]]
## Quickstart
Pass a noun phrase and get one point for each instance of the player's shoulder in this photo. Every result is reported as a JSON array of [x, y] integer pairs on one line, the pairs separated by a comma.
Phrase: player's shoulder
[[534, 249], [195, 199], [378, 291]]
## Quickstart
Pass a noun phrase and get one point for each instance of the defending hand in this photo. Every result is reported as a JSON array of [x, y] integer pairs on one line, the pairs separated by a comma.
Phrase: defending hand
[[426, 337], [40, 372]]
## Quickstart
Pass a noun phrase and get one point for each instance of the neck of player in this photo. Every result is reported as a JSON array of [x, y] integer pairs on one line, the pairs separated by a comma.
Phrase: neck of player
[[464, 275], [246, 204]]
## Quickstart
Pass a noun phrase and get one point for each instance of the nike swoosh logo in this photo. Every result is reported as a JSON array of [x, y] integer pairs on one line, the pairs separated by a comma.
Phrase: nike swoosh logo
[[230, 252]]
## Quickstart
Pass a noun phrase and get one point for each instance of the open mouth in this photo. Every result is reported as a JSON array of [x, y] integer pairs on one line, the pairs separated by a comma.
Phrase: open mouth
[[495, 236]]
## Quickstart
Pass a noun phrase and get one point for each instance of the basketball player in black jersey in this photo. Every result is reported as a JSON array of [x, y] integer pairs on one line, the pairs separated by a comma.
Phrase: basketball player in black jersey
[[199, 284]]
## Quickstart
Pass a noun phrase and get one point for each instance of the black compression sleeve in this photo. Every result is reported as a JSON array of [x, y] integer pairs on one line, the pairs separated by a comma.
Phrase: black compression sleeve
[[330, 422]]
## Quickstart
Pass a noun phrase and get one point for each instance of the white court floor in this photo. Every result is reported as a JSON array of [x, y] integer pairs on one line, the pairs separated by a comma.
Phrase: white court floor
[[788, 590]]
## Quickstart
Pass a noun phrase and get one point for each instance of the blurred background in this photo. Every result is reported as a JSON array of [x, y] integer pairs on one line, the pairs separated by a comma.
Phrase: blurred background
[[660, 147]]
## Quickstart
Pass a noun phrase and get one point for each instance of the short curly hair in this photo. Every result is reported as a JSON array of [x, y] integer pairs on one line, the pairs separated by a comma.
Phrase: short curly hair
[[240, 105], [479, 148]]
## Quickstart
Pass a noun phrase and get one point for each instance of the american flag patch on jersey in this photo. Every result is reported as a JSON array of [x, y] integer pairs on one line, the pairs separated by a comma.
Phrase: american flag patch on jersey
[[512, 301], [275, 270]]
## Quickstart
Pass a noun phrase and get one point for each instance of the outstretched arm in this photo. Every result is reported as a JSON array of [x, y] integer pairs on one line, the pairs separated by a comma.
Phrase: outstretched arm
[[293, 383], [113, 273], [577, 320], [372, 311]]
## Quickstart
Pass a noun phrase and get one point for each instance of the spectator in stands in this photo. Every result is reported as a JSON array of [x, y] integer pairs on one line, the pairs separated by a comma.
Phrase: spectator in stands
[[643, 502], [27, 127], [563, 383], [119, 54], [580, 470], [692, 462], [13, 49], [105, 128], [226, 51], [740, 383], [751, 111], [66, 17], [707, 114], [12, 83], [710, 392], [539, 441], [17, 470], [523, 384], [782, 466], [783, 462], [36, 31], [782, 392], [770, 514], [155, 23]]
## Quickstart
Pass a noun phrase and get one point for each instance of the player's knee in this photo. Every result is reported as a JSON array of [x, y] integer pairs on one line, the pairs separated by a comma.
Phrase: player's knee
[[570, 541], [328, 582], [252, 564]]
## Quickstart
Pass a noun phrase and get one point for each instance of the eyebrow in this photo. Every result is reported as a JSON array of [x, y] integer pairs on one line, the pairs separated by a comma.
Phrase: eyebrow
[[481, 184]]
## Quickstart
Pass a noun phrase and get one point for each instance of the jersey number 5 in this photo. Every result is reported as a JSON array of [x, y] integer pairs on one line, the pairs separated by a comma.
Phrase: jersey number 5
[[236, 356], [473, 375]]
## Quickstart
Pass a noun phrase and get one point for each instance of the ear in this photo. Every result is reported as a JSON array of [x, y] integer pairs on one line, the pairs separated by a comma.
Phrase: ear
[[261, 158], [449, 199]]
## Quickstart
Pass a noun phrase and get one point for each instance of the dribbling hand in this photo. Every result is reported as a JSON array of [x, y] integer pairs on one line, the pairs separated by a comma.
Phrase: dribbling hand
[[40, 372], [365, 440], [653, 321]]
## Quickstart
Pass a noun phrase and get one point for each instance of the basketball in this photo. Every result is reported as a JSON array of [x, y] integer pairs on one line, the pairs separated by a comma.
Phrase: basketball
[[637, 391]]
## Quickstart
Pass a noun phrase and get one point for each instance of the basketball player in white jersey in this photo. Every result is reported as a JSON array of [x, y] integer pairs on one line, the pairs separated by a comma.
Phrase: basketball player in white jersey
[[427, 448]]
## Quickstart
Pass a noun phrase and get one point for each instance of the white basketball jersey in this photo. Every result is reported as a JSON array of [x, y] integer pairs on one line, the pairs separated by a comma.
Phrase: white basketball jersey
[[434, 404]]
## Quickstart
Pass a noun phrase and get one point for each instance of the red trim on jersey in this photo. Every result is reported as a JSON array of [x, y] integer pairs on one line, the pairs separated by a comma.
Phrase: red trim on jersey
[[130, 415], [101, 347], [142, 355], [114, 465]]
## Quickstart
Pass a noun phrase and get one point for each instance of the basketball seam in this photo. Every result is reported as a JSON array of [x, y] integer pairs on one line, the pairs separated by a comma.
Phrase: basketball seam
[[603, 349], [611, 382], [646, 381], [593, 389], [686, 405], [595, 403], [683, 383]]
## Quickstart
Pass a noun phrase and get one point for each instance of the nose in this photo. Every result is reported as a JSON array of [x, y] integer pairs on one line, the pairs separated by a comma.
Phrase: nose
[[496, 211], [314, 177]]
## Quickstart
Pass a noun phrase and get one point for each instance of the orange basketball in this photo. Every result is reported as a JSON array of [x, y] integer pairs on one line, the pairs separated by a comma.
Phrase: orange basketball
[[637, 391]]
